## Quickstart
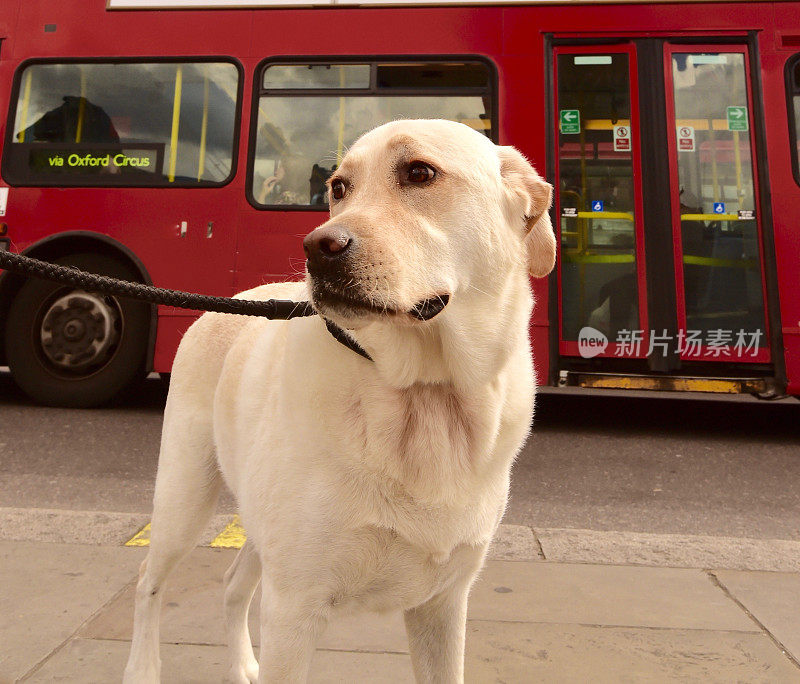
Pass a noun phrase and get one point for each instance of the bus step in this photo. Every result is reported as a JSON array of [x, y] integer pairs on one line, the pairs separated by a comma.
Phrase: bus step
[[664, 383]]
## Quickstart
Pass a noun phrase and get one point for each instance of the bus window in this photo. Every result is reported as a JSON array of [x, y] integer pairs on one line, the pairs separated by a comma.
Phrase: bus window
[[793, 85], [308, 114], [144, 124]]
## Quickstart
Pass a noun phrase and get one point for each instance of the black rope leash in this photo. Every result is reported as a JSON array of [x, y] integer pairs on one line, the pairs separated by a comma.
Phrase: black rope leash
[[275, 309], [69, 275]]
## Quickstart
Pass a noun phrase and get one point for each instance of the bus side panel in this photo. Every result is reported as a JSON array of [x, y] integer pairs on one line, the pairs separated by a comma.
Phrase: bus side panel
[[785, 190], [88, 29], [437, 30], [785, 195]]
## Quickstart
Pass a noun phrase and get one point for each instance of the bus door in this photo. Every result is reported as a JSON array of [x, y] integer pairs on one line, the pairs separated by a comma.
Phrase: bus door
[[602, 272], [716, 222], [660, 267]]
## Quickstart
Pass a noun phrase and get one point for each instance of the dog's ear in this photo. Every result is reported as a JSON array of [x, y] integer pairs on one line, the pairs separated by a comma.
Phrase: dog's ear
[[532, 194]]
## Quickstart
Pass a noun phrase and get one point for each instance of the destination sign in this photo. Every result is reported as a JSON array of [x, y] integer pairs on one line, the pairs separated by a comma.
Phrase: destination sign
[[80, 161]]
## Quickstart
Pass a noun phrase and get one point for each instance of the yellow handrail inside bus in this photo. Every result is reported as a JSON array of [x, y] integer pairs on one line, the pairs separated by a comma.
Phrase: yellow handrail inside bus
[[710, 217], [714, 171], [737, 156], [604, 124], [704, 124], [477, 124], [598, 258], [712, 261], [81, 107], [622, 215], [176, 116], [26, 101], [201, 164], [340, 141]]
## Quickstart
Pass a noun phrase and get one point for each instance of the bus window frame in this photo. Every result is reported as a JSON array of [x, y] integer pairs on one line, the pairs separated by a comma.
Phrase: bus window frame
[[259, 91], [793, 91], [83, 182]]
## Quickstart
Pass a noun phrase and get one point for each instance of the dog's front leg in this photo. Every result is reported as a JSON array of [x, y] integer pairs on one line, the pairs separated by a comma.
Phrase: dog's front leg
[[291, 623], [241, 581], [436, 633]]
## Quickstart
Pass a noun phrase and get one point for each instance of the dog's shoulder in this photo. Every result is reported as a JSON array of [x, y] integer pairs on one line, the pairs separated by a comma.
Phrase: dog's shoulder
[[208, 341], [295, 290]]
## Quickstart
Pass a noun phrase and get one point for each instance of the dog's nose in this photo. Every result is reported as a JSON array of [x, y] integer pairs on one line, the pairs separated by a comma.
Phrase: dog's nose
[[327, 243]]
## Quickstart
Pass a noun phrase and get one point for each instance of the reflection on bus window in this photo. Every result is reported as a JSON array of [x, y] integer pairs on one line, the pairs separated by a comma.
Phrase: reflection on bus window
[[312, 76], [130, 124], [75, 119], [302, 137]]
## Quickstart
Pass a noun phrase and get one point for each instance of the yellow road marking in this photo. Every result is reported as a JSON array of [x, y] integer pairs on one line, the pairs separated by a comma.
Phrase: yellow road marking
[[141, 538], [232, 537]]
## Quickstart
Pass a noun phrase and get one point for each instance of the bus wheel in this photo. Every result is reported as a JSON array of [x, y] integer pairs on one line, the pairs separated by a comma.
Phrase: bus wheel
[[74, 348]]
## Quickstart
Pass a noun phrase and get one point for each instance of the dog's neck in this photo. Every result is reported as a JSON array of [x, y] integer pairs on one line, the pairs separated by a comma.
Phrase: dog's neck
[[453, 348]]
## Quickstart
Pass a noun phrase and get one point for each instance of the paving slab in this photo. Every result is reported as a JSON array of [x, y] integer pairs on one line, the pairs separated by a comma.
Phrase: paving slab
[[68, 527], [514, 542], [773, 598], [94, 661], [496, 652], [524, 652], [49, 591], [192, 612], [669, 550], [604, 595]]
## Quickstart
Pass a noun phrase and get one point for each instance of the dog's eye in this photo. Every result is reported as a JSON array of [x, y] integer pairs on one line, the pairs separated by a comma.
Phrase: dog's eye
[[338, 189], [418, 172]]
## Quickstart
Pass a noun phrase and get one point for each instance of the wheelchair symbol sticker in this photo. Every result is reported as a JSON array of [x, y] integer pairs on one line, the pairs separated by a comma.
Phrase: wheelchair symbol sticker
[[719, 207], [597, 205]]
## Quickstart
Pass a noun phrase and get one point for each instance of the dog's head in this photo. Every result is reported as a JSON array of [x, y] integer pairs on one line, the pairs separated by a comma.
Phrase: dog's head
[[426, 215]]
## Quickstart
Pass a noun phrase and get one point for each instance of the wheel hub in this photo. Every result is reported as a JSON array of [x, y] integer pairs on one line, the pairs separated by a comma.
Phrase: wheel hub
[[79, 330]]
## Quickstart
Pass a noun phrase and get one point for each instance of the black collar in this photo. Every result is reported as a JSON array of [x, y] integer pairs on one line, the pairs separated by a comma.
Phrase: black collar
[[340, 335]]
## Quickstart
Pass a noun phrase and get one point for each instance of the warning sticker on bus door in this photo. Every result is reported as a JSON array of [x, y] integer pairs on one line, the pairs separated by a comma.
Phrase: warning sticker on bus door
[[686, 139], [622, 138]]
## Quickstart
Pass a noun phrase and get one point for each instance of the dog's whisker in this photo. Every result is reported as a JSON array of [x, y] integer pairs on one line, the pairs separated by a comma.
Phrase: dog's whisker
[[477, 289]]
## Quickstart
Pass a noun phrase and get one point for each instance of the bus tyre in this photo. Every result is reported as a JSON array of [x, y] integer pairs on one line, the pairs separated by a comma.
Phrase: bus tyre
[[73, 348]]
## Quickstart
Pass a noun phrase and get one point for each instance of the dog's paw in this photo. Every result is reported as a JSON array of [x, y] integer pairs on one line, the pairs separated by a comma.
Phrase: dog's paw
[[135, 674], [243, 674]]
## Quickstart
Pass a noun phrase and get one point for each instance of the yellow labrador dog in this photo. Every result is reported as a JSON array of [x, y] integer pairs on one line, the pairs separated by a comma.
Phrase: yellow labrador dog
[[367, 484]]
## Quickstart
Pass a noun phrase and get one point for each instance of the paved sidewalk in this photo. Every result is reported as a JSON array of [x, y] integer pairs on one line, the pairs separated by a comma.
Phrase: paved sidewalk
[[66, 613]]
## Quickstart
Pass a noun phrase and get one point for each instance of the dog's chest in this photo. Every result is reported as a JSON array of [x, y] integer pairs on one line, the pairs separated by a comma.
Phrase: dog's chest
[[425, 436], [425, 467], [376, 569]]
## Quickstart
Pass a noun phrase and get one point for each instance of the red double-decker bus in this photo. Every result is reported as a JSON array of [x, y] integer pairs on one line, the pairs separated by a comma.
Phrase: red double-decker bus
[[187, 144]]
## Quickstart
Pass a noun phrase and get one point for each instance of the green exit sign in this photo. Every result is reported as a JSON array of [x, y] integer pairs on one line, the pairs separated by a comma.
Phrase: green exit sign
[[737, 118], [569, 121]]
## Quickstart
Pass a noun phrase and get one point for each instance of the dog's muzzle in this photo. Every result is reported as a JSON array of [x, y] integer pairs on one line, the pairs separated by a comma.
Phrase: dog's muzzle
[[328, 249]]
